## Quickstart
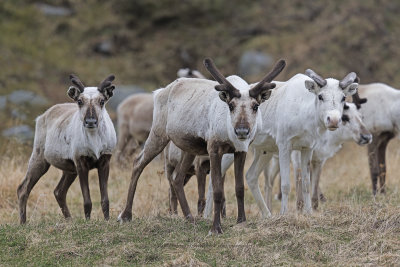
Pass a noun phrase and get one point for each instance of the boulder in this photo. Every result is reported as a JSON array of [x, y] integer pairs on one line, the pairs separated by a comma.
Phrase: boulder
[[23, 133], [254, 63], [51, 10], [3, 102], [21, 97]]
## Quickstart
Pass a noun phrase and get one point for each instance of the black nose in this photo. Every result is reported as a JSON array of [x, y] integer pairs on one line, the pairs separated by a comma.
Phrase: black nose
[[90, 123], [242, 132], [365, 138]]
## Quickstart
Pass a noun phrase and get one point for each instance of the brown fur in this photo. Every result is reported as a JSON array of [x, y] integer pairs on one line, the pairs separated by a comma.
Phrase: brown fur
[[135, 116]]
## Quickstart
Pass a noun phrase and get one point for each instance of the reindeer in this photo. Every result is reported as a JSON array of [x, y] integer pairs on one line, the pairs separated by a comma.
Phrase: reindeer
[[381, 114], [328, 145], [204, 117], [298, 113], [75, 138], [135, 116]]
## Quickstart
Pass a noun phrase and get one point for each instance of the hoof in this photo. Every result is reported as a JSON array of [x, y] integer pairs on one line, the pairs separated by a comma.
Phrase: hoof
[[190, 218], [322, 198], [125, 217], [215, 231]]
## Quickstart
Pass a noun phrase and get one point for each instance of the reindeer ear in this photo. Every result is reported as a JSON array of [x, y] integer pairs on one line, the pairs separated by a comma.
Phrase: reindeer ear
[[312, 86], [109, 92], [224, 96], [73, 93], [351, 89]]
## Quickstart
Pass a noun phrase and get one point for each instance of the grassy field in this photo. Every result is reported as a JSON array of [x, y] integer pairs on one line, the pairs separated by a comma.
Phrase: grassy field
[[351, 228]]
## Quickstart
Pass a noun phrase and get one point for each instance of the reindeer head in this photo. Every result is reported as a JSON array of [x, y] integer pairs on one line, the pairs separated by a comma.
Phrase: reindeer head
[[91, 100], [241, 100], [353, 126], [330, 96]]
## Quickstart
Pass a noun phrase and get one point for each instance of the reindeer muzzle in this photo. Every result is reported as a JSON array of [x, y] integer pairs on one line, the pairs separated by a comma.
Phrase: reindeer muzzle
[[242, 133], [90, 123], [365, 139]]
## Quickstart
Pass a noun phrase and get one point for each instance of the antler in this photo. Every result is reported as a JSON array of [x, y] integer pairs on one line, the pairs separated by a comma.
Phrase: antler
[[77, 82], [265, 83], [224, 85], [106, 83], [318, 79], [357, 100], [349, 79]]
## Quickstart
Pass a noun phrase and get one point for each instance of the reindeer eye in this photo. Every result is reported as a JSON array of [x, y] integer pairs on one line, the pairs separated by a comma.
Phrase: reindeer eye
[[102, 102], [343, 99], [255, 107], [80, 103], [320, 97], [231, 107]]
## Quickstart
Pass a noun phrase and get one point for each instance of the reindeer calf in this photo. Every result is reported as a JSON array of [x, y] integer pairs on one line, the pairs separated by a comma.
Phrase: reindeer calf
[[75, 138]]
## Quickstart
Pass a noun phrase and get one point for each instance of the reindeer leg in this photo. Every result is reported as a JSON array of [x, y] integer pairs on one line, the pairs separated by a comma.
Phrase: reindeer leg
[[103, 170], [240, 158], [83, 172], [178, 177], [384, 140], [316, 168], [155, 144], [215, 165], [305, 178], [374, 163], [60, 192], [252, 175], [201, 170], [37, 167], [270, 173], [284, 166], [173, 201]]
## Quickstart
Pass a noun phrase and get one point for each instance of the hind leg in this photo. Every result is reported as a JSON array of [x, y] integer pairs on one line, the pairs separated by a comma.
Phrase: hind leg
[[37, 167], [173, 201], [154, 145], [384, 140], [178, 181], [61, 192]]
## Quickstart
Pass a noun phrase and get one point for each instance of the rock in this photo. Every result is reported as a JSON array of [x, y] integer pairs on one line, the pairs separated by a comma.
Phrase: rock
[[50, 10], [105, 47], [22, 133], [27, 97], [3, 102], [254, 63], [121, 92], [18, 115]]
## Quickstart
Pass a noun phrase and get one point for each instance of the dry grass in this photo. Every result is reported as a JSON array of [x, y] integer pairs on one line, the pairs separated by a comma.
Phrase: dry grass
[[352, 228]]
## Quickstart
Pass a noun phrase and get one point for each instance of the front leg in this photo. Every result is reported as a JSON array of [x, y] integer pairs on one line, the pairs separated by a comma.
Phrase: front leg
[[305, 179], [240, 158], [284, 166], [316, 167], [258, 165], [103, 170], [215, 169], [83, 172]]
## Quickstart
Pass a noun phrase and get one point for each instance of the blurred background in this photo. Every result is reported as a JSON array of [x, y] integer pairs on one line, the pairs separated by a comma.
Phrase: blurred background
[[145, 42]]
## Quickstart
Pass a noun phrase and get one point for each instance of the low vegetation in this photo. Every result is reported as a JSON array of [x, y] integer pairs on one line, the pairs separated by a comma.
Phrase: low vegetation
[[351, 228]]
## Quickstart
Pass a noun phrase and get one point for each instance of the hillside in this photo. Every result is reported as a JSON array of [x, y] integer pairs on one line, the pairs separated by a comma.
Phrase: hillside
[[145, 42]]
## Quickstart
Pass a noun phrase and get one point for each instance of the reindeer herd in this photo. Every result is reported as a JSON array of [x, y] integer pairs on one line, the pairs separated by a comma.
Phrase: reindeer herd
[[203, 126]]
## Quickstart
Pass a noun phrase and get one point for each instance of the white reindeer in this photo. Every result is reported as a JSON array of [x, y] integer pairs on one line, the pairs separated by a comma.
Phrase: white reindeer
[[328, 145], [75, 138], [298, 113], [204, 117]]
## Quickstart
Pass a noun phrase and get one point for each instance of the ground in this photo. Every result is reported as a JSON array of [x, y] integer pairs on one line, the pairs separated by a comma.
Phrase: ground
[[351, 228]]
